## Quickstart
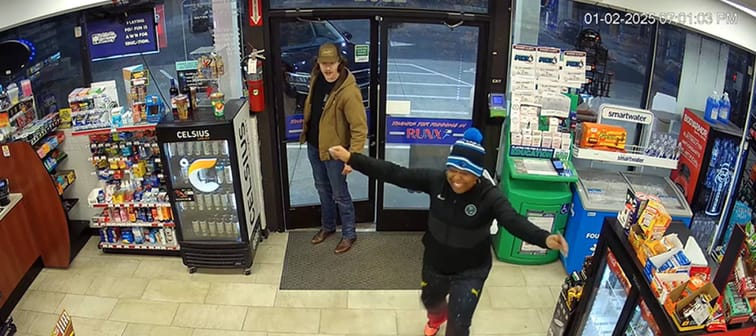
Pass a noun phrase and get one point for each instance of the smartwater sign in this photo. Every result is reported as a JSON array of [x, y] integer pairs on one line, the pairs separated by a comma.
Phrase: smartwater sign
[[426, 131], [133, 34]]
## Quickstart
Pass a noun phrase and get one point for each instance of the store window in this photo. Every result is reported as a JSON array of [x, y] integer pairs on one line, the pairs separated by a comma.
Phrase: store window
[[468, 6], [184, 33], [56, 64], [668, 61], [622, 51]]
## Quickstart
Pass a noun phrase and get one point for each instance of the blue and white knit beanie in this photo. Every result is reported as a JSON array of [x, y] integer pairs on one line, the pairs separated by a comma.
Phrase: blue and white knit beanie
[[467, 153]]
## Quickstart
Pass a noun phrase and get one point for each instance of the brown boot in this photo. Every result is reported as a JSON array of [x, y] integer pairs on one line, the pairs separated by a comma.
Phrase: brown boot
[[344, 245], [320, 236]]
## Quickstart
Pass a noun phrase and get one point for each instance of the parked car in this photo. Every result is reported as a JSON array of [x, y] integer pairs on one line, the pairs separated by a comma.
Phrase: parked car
[[300, 41]]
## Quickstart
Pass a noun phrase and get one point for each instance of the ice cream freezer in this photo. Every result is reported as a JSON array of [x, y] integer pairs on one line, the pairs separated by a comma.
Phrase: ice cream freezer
[[596, 195], [601, 193]]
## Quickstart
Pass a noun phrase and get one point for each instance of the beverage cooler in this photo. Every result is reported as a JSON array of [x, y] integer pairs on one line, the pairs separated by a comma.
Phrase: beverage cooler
[[215, 186], [706, 171]]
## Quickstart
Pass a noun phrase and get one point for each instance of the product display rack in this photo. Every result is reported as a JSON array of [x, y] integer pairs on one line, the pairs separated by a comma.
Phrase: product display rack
[[640, 309], [136, 215]]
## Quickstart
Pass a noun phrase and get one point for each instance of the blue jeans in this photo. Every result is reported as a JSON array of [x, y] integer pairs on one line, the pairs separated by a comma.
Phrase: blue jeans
[[334, 194]]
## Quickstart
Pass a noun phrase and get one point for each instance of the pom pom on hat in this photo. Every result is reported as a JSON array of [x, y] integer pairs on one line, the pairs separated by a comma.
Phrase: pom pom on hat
[[467, 153], [473, 134]]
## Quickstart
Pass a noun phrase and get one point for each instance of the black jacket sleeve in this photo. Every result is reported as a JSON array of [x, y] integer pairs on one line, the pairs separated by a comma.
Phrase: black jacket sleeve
[[516, 224], [410, 178]]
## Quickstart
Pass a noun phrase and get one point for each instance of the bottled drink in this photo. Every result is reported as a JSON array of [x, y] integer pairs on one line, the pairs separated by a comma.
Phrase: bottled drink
[[717, 196], [174, 93]]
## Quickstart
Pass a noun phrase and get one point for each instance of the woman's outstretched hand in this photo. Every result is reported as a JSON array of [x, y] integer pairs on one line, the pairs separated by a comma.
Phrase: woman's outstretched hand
[[557, 242], [340, 153]]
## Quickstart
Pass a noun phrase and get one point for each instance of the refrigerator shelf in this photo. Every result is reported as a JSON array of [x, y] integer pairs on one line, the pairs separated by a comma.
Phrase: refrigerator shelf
[[625, 159], [131, 204], [139, 247], [101, 224]]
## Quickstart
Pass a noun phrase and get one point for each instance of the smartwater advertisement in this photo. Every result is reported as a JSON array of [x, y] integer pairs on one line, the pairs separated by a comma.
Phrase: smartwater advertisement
[[120, 36]]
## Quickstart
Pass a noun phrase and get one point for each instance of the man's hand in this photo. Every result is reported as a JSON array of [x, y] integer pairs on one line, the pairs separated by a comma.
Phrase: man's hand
[[347, 169], [557, 242], [340, 153]]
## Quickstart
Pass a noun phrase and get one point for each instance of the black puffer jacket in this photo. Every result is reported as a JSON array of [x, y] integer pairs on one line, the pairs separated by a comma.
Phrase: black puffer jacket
[[458, 236]]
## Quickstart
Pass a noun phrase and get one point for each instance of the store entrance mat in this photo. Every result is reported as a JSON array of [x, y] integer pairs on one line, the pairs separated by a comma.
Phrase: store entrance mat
[[378, 260]]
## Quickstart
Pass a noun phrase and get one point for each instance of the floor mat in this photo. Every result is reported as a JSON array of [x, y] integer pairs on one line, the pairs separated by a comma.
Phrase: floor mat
[[378, 260]]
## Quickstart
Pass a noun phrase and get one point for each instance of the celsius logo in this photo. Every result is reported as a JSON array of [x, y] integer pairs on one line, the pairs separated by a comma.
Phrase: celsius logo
[[700, 129], [198, 174], [193, 134]]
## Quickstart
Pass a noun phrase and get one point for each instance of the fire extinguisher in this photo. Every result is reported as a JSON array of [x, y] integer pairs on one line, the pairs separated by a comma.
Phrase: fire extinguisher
[[255, 81]]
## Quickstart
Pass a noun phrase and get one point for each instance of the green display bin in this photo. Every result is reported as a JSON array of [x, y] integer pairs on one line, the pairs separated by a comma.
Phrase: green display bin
[[546, 204]]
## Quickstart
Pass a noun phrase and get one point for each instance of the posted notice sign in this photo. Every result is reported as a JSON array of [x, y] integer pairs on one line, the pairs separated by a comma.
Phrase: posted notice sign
[[119, 36]]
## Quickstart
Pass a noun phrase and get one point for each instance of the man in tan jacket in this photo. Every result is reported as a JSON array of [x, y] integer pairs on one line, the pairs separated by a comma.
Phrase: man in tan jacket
[[333, 115]]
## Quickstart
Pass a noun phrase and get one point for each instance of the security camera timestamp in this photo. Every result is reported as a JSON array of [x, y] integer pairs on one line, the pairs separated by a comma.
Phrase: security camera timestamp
[[680, 18]]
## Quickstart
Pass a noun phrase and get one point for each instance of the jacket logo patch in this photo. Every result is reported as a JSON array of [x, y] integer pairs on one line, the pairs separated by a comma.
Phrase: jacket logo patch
[[471, 210]]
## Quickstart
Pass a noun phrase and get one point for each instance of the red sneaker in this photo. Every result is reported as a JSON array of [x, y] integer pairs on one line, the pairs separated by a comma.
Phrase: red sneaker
[[435, 320]]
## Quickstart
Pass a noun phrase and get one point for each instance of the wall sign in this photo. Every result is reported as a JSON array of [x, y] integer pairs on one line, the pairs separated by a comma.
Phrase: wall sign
[[427, 131], [118, 37]]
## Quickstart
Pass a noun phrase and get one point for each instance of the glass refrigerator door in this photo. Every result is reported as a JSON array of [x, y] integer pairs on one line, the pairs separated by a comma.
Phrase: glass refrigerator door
[[611, 294], [642, 323], [203, 186]]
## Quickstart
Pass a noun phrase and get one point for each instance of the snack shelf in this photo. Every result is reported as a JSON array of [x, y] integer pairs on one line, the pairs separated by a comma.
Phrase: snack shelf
[[48, 148], [69, 203], [630, 158], [131, 204], [139, 247], [54, 166], [108, 130], [97, 223]]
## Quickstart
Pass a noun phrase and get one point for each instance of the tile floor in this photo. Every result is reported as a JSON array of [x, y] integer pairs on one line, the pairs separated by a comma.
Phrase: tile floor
[[125, 295]]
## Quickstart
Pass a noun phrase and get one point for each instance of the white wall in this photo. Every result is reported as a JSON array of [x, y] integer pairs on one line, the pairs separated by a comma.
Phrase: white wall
[[17, 12], [740, 34]]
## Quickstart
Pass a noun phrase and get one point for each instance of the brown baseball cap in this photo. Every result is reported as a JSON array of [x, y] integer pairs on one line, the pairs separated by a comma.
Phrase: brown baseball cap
[[328, 53]]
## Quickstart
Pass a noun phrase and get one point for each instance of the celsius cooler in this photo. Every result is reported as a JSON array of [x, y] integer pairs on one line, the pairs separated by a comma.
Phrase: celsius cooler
[[215, 186]]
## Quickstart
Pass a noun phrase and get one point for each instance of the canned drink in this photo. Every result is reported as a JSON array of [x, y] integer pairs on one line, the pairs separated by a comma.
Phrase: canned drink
[[229, 172], [207, 148], [202, 175], [221, 227], [198, 148], [219, 173], [190, 206], [224, 148], [196, 227], [217, 201], [229, 227], [201, 203], [204, 228], [216, 147], [212, 227], [172, 149], [232, 200], [224, 201], [180, 149], [235, 227], [208, 201]]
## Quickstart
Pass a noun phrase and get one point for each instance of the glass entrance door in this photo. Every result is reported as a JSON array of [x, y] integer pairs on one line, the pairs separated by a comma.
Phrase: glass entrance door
[[426, 106], [298, 42]]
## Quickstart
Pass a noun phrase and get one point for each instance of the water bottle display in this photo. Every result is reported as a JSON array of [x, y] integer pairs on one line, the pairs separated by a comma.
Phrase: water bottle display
[[724, 108], [718, 192]]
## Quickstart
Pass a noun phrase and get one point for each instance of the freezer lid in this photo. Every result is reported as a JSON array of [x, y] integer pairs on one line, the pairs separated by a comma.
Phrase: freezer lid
[[601, 190], [662, 187]]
